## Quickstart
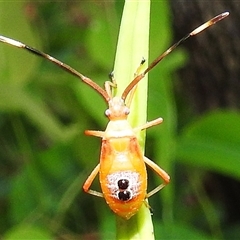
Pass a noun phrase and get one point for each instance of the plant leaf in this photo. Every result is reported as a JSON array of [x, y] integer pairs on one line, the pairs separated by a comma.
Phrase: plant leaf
[[212, 142]]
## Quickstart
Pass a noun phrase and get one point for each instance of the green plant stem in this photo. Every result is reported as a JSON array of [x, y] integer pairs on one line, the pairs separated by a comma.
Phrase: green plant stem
[[133, 45]]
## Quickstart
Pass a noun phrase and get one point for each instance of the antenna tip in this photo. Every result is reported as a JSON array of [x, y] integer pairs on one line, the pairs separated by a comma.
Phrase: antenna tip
[[225, 14], [218, 18], [209, 23]]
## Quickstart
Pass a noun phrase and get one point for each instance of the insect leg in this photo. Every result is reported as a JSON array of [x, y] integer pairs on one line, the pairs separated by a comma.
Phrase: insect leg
[[100, 134], [160, 172], [89, 181], [132, 92], [148, 124], [148, 206], [108, 85], [140, 67]]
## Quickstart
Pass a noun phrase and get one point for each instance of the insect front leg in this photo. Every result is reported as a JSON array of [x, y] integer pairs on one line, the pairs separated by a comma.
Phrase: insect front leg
[[160, 172], [132, 92], [89, 181], [108, 85]]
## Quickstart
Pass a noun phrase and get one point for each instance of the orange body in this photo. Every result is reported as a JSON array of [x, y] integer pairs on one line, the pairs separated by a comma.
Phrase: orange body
[[122, 167], [123, 175]]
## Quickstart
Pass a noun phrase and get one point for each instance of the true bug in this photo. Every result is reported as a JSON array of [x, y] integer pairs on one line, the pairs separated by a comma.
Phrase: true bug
[[122, 167]]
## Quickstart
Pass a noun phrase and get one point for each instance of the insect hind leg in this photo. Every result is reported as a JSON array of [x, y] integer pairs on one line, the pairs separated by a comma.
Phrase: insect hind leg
[[160, 172], [88, 182]]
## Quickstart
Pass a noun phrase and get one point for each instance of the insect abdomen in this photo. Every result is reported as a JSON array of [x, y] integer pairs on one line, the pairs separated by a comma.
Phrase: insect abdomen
[[123, 185]]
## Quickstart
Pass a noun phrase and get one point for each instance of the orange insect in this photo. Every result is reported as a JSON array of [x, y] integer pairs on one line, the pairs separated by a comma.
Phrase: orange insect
[[122, 167]]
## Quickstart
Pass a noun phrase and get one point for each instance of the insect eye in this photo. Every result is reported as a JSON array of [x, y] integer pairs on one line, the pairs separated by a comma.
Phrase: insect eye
[[107, 113], [123, 184], [124, 196], [126, 111]]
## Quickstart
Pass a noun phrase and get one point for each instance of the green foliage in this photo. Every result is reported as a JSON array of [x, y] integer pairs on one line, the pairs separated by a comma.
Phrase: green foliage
[[212, 142], [45, 157], [27, 232]]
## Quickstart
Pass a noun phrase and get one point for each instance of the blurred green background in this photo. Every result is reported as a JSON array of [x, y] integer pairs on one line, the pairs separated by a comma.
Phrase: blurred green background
[[45, 156]]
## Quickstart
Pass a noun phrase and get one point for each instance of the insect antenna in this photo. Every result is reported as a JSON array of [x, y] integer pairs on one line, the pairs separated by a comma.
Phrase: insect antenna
[[197, 30], [60, 64]]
